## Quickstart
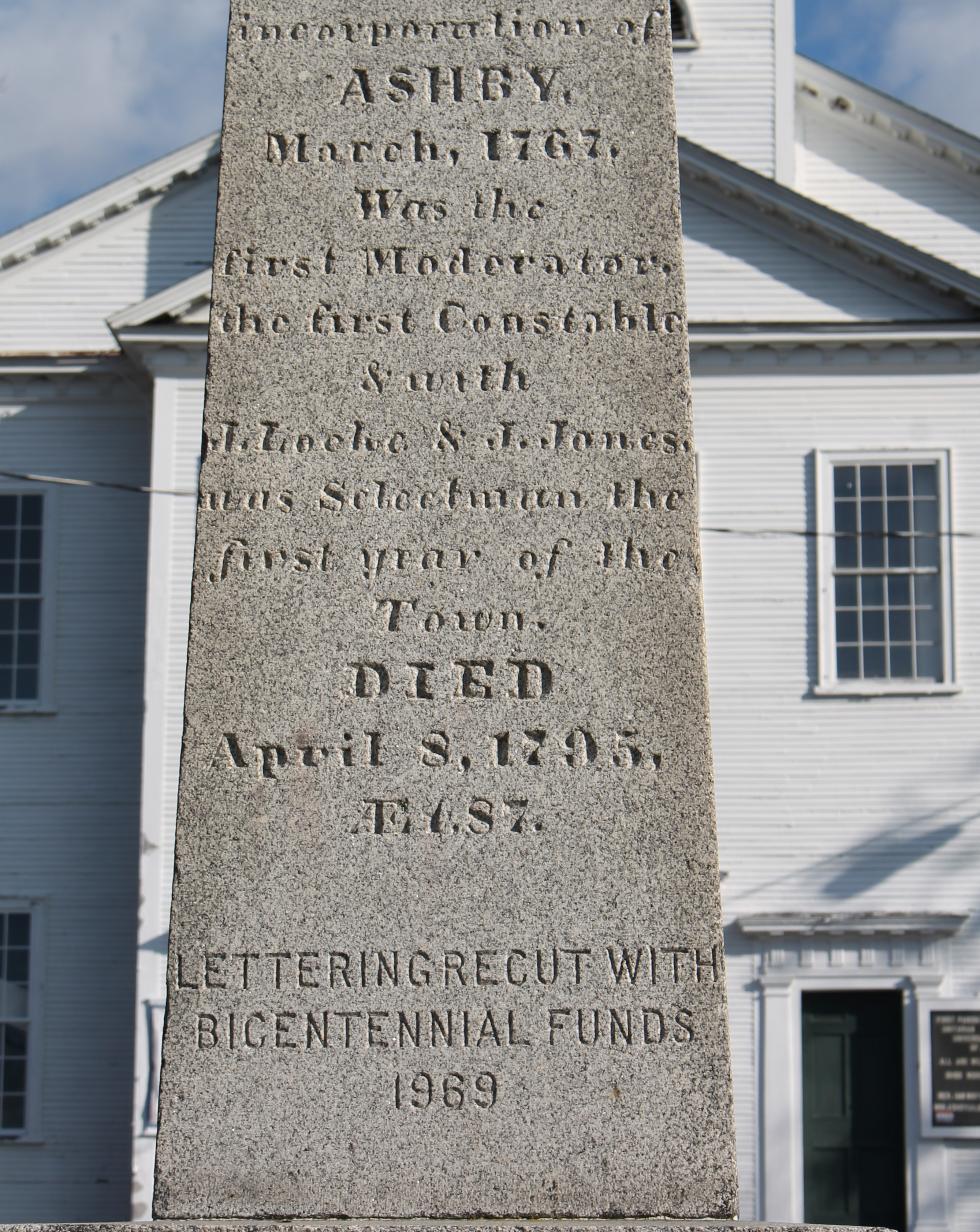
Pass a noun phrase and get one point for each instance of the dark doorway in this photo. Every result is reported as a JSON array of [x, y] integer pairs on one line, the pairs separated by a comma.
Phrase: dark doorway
[[853, 1109]]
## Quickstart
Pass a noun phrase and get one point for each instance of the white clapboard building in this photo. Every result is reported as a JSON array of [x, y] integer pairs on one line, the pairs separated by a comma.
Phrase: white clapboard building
[[833, 259]]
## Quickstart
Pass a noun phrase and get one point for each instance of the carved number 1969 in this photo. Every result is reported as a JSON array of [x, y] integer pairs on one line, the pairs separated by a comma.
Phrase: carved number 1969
[[453, 1091]]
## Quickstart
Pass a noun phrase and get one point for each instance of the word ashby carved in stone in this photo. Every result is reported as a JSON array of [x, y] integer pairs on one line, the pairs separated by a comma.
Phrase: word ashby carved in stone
[[446, 928], [438, 84]]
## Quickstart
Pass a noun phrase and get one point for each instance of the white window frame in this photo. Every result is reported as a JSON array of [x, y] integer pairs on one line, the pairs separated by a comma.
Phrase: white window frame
[[150, 1046], [30, 1135], [828, 684], [692, 42], [44, 703]]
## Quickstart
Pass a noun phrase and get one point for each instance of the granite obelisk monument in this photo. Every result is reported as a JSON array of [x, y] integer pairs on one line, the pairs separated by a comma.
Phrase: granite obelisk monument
[[446, 934], [446, 937]]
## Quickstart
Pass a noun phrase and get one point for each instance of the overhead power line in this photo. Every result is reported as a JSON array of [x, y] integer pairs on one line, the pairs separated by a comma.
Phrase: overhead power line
[[747, 532], [24, 477]]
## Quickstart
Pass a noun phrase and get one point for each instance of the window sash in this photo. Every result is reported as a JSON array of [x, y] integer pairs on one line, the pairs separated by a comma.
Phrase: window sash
[[909, 640], [17, 982], [27, 566]]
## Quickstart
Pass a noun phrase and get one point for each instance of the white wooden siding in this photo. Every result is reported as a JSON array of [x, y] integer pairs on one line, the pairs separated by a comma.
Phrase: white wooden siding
[[741, 971], [827, 804], [187, 456], [178, 471], [965, 1177], [59, 302], [69, 811], [901, 190], [726, 87], [738, 272]]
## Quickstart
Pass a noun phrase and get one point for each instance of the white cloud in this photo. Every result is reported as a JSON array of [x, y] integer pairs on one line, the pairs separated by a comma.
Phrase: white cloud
[[924, 53], [930, 55], [89, 89]]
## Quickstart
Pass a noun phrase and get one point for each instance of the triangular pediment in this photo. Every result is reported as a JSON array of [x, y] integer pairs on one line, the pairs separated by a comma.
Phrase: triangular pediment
[[887, 164], [757, 251], [63, 276], [186, 303]]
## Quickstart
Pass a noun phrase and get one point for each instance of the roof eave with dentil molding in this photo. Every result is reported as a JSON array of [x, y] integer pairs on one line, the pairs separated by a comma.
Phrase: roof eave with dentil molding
[[837, 230], [109, 202], [847, 98]]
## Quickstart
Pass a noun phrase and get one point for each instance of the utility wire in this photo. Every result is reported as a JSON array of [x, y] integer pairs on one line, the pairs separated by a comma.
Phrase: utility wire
[[762, 533], [94, 483], [843, 534]]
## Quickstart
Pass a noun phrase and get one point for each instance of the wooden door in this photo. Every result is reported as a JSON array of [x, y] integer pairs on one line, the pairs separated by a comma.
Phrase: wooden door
[[853, 1109]]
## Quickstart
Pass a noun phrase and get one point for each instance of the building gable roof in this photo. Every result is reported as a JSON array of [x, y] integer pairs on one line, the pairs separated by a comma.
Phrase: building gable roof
[[57, 297], [863, 104], [109, 202], [852, 246], [837, 272], [894, 168]]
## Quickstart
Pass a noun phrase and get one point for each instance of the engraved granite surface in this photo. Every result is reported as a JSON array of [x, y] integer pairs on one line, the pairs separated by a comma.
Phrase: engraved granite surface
[[435, 1225], [446, 933]]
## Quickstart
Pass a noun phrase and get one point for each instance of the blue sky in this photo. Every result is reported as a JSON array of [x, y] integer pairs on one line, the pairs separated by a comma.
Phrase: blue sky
[[925, 52], [90, 89]]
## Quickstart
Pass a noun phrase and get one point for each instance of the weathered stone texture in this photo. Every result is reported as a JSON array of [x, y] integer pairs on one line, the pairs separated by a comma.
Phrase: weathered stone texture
[[424, 1225], [446, 934]]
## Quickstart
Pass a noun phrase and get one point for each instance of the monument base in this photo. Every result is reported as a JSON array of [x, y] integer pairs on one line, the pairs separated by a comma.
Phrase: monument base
[[436, 1225]]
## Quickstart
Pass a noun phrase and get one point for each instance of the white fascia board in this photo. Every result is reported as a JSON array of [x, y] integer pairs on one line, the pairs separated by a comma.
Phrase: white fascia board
[[965, 334], [178, 351], [849, 98], [884, 923], [56, 365], [104, 204], [164, 335], [840, 233]]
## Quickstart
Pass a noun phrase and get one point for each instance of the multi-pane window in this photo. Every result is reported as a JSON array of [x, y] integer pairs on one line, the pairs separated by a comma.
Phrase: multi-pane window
[[15, 975], [21, 542], [681, 26], [888, 558]]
